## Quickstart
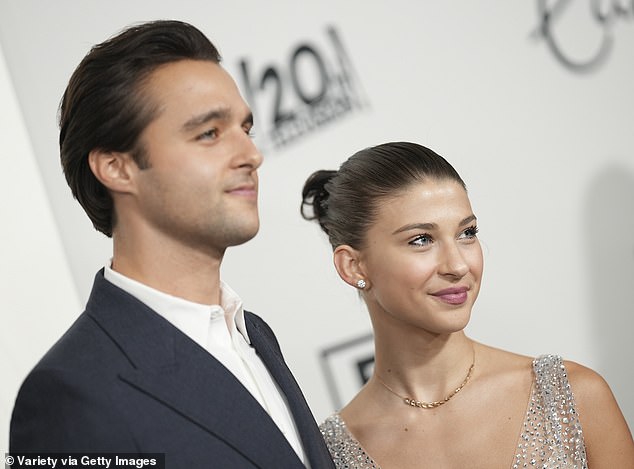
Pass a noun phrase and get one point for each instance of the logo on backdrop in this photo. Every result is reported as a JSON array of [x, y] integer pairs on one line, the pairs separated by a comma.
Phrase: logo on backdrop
[[315, 86], [347, 366], [601, 17]]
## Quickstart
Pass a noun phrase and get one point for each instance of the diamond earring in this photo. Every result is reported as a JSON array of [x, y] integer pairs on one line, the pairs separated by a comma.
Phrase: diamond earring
[[361, 284]]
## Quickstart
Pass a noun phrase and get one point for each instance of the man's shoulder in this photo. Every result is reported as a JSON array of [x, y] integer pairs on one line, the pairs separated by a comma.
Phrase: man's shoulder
[[84, 348]]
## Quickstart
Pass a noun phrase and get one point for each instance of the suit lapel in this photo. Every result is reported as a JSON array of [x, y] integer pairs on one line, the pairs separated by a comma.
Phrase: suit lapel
[[266, 347], [172, 369]]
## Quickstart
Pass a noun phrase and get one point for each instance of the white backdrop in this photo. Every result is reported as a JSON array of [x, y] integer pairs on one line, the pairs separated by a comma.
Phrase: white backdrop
[[545, 148]]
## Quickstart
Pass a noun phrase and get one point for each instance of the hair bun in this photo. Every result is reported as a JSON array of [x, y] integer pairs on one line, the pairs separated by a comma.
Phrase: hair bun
[[315, 195]]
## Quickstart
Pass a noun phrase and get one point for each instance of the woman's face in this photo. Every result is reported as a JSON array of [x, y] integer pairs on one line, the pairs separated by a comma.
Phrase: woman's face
[[422, 258]]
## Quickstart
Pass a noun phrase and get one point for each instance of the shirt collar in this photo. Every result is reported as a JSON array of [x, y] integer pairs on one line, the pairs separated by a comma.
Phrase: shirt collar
[[190, 317]]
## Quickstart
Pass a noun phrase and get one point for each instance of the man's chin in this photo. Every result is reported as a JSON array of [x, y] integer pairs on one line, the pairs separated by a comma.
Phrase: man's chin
[[244, 236]]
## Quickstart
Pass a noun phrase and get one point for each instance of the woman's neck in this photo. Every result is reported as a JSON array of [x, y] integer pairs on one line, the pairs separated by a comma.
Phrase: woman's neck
[[424, 367]]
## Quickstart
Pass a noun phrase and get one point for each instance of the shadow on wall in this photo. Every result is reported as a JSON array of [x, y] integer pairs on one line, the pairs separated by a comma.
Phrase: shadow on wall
[[609, 246]]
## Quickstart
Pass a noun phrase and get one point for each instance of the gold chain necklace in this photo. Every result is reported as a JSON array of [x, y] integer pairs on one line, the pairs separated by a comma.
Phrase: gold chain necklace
[[430, 405]]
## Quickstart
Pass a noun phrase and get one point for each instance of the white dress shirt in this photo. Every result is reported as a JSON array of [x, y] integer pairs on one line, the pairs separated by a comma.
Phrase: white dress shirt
[[221, 330]]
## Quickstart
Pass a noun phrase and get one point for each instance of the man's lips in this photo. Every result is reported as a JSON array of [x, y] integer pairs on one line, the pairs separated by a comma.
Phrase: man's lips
[[248, 190], [453, 295]]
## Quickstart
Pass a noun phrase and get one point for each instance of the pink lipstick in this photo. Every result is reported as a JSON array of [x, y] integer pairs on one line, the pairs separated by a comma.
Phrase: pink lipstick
[[452, 296]]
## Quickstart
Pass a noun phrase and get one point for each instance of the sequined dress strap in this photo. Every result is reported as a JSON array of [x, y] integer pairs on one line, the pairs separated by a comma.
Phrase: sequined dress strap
[[551, 437], [346, 451]]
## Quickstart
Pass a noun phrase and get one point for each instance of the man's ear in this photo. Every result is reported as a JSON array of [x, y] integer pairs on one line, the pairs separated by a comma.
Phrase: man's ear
[[348, 264], [115, 170]]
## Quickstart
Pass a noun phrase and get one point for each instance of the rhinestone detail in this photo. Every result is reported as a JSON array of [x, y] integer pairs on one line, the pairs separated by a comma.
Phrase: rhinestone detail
[[346, 451], [551, 435]]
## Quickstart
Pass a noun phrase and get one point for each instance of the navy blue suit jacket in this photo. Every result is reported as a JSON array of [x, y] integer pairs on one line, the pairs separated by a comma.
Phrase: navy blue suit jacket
[[123, 379]]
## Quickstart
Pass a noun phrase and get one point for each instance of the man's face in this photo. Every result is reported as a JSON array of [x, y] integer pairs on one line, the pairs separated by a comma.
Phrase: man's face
[[201, 186]]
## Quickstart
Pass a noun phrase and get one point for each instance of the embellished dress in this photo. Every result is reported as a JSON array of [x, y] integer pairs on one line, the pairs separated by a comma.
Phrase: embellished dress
[[551, 436]]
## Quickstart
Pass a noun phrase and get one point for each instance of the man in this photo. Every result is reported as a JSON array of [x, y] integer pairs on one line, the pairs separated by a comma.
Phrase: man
[[155, 146]]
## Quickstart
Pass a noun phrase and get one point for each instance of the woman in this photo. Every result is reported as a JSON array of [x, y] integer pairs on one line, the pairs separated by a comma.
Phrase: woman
[[404, 234]]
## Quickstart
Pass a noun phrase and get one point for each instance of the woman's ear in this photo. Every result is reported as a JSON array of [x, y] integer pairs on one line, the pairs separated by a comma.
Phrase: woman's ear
[[113, 169], [348, 265]]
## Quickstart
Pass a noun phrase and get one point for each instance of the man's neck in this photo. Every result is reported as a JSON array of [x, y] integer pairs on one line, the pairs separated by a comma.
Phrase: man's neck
[[175, 270]]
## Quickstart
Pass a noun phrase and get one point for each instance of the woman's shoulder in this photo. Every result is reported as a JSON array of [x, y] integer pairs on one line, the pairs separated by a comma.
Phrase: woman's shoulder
[[585, 380], [606, 433], [501, 360], [498, 361], [588, 386], [592, 392]]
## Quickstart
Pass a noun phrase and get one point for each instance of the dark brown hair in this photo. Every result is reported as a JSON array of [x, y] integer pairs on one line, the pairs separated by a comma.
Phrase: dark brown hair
[[345, 202], [104, 107]]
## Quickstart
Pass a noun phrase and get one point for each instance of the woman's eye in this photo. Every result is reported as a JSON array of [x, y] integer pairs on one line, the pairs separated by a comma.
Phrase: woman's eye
[[249, 131], [470, 233], [421, 240]]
